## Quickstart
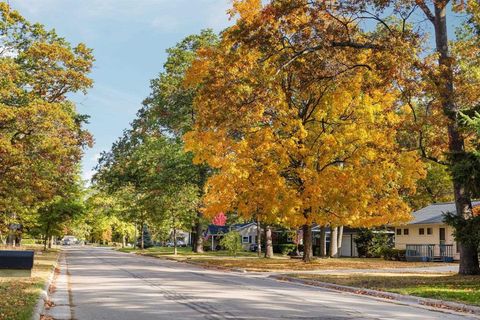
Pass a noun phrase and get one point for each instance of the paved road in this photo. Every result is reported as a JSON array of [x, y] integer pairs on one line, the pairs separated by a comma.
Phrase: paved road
[[110, 285]]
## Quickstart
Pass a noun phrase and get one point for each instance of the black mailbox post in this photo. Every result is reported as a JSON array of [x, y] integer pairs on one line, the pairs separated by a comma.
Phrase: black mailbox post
[[11, 259]]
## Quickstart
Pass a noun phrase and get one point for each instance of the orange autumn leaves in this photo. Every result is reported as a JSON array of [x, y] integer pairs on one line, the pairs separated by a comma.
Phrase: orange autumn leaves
[[298, 136]]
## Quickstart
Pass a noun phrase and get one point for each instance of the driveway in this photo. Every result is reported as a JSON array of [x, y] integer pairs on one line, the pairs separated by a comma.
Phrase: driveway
[[105, 284]]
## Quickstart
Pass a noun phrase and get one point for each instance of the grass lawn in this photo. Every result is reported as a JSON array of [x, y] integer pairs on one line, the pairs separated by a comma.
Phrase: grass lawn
[[250, 262], [444, 286], [19, 294]]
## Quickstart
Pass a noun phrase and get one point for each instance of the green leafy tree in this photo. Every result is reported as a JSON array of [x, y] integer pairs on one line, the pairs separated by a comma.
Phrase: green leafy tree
[[232, 242], [170, 106], [55, 215], [41, 134]]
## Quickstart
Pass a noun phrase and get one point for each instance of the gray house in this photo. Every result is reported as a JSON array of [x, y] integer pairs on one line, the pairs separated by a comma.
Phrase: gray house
[[248, 232]]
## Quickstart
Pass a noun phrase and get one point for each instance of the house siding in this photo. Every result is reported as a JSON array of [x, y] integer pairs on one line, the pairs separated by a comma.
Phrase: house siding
[[251, 233], [414, 236]]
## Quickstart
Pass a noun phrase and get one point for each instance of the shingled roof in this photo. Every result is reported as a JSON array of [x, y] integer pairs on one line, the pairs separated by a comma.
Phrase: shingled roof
[[433, 214], [213, 229]]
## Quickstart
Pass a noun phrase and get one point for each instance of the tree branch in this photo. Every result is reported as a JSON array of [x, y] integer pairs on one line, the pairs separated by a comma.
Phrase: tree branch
[[426, 10]]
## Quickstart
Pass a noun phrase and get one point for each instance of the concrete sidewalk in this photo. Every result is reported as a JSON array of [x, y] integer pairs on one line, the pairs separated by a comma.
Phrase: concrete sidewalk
[[60, 308]]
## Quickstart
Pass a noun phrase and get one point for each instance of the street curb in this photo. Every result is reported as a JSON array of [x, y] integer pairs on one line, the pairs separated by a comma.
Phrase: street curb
[[400, 298], [43, 298]]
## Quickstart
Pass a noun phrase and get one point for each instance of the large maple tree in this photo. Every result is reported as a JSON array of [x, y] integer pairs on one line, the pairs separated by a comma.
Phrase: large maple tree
[[299, 123]]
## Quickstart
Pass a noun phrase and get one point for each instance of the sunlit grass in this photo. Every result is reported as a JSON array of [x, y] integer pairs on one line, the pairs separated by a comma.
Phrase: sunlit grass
[[250, 261], [445, 286], [19, 293]]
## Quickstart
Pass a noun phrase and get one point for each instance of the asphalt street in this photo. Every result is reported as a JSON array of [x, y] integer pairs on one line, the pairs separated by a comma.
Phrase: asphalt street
[[105, 284]]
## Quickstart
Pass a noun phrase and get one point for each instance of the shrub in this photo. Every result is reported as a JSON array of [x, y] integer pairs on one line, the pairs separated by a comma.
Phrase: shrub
[[371, 244], [28, 241], [232, 242], [394, 254], [286, 248]]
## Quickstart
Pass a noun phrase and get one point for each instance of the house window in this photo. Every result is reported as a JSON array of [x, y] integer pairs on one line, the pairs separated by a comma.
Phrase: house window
[[399, 232], [429, 231], [405, 232], [246, 239], [421, 231]]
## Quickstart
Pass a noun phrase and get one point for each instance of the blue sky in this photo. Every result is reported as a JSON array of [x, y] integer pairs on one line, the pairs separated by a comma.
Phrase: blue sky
[[129, 38]]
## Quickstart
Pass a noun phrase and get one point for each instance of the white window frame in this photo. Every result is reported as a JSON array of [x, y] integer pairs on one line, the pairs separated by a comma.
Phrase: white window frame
[[247, 238]]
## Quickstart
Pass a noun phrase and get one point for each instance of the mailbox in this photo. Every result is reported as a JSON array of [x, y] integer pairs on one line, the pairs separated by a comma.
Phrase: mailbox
[[12, 259]]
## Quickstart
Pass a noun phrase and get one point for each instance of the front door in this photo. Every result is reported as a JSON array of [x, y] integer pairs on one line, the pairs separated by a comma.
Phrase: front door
[[442, 235], [442, 242]]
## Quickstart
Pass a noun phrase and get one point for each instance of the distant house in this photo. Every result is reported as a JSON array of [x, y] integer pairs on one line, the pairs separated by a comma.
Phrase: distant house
[[348, 247], [427, 237], [248, 233]]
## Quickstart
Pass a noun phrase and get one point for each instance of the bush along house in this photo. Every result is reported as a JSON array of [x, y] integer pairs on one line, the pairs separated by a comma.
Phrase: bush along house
[[426, 237]]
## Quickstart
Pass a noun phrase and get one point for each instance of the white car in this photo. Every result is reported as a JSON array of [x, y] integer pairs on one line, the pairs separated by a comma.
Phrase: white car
[[69, 240]]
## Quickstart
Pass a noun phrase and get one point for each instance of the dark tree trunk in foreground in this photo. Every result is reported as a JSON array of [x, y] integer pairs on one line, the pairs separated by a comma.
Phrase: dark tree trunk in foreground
[[193, 238], [323, 242], [268, 242], [307, 242], [469, 264], [333, 242]]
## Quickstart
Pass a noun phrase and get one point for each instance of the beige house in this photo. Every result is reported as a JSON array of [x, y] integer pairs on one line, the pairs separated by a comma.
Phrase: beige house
[[427, 237]]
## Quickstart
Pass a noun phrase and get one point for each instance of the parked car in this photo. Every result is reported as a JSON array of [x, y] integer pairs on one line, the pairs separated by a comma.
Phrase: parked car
[[69, 240], [180, 243], [253, 247]]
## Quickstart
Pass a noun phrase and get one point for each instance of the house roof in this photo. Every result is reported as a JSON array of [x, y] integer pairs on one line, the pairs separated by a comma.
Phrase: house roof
[[433, 214], [213, 229]]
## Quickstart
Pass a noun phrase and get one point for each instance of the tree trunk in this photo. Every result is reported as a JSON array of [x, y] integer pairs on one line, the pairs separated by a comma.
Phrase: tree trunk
[[323, 242], [135, 237], [142, 244], [307, 242], [193, 239], [199, 234], [10, 239], [268, 242], [333, 242], [259, 239], [45, 240], [50, 240], [175, 241], [340, 240], [123, 241], [468, 259]]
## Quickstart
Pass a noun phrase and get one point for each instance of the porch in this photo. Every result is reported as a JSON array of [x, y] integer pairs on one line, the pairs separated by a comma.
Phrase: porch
[[429, 252]]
